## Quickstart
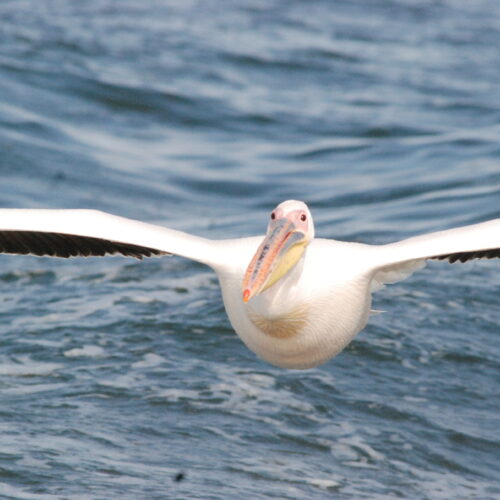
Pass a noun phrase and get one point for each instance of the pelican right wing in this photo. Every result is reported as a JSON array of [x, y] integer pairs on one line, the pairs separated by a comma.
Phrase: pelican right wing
[[69, 233]]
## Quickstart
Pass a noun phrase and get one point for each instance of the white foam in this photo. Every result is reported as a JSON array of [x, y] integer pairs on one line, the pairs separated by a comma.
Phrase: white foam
[[88, 351], [150, 359], [26, 367], [324, 484], [175, 395], [31, 388], [9, 491], [33, 462], [126, 381]]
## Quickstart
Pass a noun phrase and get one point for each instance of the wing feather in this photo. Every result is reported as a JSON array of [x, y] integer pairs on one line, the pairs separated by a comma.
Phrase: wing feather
[[71, 233], [68, 245], [466, 256], [398, 260]]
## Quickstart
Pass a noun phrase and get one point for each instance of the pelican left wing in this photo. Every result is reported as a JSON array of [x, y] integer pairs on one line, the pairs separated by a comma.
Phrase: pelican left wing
[[71, 233], [398, 260]]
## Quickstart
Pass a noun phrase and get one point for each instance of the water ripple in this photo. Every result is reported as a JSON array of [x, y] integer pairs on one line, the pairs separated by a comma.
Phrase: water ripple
[[124, 379]]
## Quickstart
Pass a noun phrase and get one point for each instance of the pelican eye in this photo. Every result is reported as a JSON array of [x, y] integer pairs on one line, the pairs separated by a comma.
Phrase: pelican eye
[[273, 216], [303, 217]]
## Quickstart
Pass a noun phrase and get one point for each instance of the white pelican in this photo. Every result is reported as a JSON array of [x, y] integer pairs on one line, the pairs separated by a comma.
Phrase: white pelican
[[293, 299]]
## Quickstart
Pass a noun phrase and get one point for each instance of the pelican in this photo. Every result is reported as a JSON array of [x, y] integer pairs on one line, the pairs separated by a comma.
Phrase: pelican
[[293, 299]]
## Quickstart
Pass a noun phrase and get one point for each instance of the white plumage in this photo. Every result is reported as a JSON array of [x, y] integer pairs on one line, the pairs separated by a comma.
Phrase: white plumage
[[293, 299]]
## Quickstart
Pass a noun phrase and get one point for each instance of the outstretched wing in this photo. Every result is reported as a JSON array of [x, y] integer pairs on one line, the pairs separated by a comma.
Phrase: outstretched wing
[[398, 260], [70, 233]]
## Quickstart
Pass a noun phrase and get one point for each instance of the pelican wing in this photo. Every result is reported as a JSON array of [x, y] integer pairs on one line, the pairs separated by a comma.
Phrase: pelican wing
[[400, 259], [69, 233]]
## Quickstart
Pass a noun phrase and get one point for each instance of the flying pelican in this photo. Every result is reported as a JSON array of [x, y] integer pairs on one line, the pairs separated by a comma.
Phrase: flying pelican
[[295, 300]]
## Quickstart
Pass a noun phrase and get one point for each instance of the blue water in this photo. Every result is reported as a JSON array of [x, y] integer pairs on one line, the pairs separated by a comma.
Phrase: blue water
[[118, 377]]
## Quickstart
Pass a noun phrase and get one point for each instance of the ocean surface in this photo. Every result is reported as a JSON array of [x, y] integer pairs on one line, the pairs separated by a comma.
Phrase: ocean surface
[[123, 379]]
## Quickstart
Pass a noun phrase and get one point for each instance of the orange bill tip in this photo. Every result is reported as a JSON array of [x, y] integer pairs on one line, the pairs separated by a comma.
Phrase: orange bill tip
[[246, 295]]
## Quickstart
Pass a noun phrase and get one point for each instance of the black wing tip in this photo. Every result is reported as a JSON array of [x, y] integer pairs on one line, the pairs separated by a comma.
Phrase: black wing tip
[[491, 253], [68, 245]]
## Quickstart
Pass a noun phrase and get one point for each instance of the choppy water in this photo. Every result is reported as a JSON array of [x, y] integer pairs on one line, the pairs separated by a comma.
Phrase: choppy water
[[117, 375]]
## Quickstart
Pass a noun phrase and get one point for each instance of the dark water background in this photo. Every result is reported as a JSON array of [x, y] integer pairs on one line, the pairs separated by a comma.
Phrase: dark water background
[[117, 375]]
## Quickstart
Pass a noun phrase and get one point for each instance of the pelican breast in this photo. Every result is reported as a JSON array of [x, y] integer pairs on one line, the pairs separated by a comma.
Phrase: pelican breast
[[283, 326]]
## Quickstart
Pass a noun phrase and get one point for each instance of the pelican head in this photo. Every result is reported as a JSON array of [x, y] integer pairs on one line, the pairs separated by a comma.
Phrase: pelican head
[[289, 232]]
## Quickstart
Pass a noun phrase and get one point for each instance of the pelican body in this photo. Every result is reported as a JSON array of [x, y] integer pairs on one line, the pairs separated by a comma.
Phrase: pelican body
[[293, 299]]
